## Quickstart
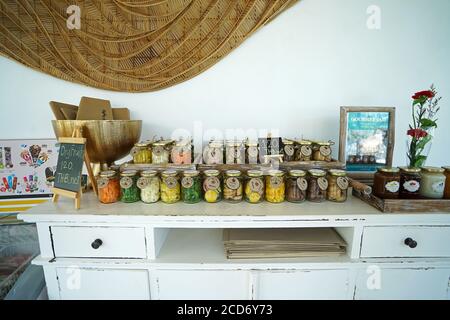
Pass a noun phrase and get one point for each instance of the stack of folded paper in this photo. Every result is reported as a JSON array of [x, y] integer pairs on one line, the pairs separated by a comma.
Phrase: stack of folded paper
[[282, 243]]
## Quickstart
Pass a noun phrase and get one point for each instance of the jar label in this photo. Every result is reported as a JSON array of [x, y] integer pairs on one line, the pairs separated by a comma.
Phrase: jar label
[[126, 182], [102, 182], [253, 151], [289, 150], [392, 186], [275, 182], [134, 151], [211, 183], [212, 155], [256, 185], [187, 182], [143, 182], [306, 151], [157, 150], [411, 185], [323, 183], [302, 184], [438, 187], [233, 183], [325, 151], [342, 183], [171, 182]]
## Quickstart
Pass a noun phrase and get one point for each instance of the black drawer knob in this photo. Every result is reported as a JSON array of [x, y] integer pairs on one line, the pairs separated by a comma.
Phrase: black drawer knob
[[411, 243], [96, 243]]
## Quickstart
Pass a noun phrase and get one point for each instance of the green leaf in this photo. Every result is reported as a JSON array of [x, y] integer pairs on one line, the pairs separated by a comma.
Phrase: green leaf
[[419, 161], [427, 123], [422, 142]]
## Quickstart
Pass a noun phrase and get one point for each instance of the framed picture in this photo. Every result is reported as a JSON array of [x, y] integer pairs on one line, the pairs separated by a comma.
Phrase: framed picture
[[367, 136]]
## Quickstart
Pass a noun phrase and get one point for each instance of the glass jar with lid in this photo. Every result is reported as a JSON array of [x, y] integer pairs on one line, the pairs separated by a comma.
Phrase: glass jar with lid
[[212, 186], [337, 185], [191, 186], [275, 186], [447, 182], [213, 152], [296, 186], [170, 187], [304, 151], [288, 150], [128, 184], [161, 151], [321, 151], [251, 152], [254, 186], [234, 152], [182, 152], [149, 184], [317, 185], [233, 186], [433, 183], [108, 187], [386, 183], [142, 152], [410, 180]]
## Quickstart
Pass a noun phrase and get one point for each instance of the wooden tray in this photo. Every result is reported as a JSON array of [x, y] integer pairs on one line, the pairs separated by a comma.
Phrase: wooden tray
[[404, 205]]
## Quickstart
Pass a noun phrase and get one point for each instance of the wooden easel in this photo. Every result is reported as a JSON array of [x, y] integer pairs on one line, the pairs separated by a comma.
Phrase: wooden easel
[[77, 138]]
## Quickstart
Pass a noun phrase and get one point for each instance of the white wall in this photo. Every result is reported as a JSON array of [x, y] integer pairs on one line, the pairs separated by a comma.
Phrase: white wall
[[292, 75]]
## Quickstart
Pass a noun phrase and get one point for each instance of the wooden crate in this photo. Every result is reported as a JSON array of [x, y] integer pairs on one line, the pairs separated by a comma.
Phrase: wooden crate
[[404, 205]]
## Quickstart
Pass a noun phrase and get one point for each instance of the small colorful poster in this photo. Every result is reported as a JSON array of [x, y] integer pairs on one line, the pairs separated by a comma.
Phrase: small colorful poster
[[27, 167], [367, 140]]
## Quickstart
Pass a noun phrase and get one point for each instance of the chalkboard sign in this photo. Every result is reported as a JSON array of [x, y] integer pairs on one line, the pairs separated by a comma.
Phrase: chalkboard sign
[[70, 165]]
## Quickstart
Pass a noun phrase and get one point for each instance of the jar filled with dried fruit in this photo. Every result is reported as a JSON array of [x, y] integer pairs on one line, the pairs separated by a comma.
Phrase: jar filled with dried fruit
[[149, 184], [142, 152], [213, 152], [232, 186], [317, 185], [304, 151], [182, 152], [386, 183], [254, 186], [161, 151], [234, 152], [337, 185], [128, 183], [410, 180], [212, 186], [251, 152], [108, 187], [288, 150], [275, 186], [191, 186], [170, 187], [322, 151], [296, 186]]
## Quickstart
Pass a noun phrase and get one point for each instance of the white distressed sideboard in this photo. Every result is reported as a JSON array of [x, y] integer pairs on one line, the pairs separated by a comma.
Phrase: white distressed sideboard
[[160, 251]]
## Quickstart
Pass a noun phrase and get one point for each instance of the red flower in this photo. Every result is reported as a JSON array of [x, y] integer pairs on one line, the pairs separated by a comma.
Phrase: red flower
[[417, 133], [428, 93]]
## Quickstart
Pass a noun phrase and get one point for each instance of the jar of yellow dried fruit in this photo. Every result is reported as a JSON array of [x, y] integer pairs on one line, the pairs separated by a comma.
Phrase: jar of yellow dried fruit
[[275, 186]]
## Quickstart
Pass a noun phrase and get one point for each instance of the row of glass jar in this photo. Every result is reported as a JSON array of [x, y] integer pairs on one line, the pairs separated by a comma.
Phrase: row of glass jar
[[211, 186], [230, 152], [412, 183]]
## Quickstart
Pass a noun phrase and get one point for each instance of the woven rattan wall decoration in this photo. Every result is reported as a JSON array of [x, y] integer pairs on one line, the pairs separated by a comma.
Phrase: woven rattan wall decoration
[[128, 45]]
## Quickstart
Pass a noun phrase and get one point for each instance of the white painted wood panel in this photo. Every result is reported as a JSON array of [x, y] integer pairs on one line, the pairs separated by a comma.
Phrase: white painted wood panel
[[403, 284], [432, 241], [201, 284], [95, 284], [118, 242], [303, 285]]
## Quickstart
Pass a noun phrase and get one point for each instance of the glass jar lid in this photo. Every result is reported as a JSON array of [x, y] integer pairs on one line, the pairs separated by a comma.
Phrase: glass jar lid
[[297, 173], [211, 173], [337, 172], [142, 144], [317, 172], [183, 142], [169, 173], [251, 143], [163, 142], [233, 143], [323, 143], [305, 142], [128, 173], [108, 174], [254, 173], [287, 141], [191, 173], [149, 173], [215, 144], [446, 168], [410, 170], [233, 173], [433, 169], [389, 169], [276, 173]]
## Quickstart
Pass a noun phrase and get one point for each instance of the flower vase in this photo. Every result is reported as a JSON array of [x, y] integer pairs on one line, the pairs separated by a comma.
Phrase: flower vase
[[418, 150]]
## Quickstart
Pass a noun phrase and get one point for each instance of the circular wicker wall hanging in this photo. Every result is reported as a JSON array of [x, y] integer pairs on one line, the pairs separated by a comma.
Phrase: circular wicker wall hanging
[[128, 45]]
